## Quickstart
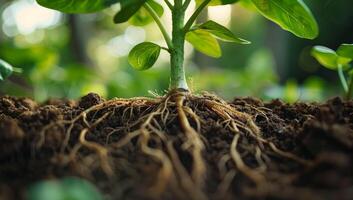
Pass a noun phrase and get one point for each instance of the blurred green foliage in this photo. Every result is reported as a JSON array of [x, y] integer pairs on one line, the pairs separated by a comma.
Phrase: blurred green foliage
[[74, 55], [69, 188]]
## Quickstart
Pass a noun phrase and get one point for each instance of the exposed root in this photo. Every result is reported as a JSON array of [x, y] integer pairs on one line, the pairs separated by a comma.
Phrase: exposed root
[[101, 151], [225, 184], [193, 143], [145, 126], [166, 170], [258, 155], [126, 139], [289, 155], [186, 182], [254, 175], [240, 124], [196, 118]]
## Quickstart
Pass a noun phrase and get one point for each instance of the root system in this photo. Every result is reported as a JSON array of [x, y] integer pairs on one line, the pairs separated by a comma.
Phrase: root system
[[177, 146]]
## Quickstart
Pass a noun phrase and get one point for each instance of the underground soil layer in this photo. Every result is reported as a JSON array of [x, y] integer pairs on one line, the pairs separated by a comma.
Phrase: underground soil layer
[[180, 146]]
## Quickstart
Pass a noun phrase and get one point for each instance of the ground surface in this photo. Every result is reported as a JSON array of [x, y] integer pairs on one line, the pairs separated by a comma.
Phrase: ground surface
[[176, 147]]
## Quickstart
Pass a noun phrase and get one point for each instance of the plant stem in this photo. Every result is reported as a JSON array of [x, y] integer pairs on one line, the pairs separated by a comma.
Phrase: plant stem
[[17, 70], [166, 49], [170, 6], [350, 88], [177, 72], [159, 24], [195, 15], [342, 78], [186, 4]]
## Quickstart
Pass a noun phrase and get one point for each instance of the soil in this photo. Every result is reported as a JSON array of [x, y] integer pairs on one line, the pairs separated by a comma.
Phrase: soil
[[180, 146]]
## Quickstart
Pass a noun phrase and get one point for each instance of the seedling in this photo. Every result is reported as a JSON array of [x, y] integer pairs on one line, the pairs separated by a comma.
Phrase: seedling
[[291, 15], [337, 60], [179, 104], [6, 70]]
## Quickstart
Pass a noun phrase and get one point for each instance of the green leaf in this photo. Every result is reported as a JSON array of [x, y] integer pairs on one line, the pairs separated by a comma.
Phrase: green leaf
[[66, 189], [128, 9], [77, 6], [142, 17], [345, 50], [5, 70], [344, 61], [217, 2], [204, 42], [292, 15], [221, 32], [79, 189], [291, 91], [144, 55], [325, 56]]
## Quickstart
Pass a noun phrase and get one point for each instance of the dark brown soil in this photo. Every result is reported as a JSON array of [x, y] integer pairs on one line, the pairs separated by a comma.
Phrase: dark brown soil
[[142, 149]]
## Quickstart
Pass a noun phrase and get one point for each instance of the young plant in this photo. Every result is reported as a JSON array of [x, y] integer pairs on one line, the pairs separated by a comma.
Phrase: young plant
[[337, 60], [6, 70], [291, 15]]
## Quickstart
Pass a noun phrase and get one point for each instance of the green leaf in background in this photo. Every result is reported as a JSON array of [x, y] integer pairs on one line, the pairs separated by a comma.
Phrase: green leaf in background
[[5, 70], [344, 61], [325, 56], [77, 6], [144, 55], [345, 50], [142, 17], [217, 2], [66, 189], [292, 15], [128, 9], [221, 32], [204, 42], [291, 91]]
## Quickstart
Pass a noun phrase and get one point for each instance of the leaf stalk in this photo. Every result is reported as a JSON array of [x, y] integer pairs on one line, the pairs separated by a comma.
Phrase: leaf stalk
[[193, 17], [186, 4], [17, 70], [342, 78], [159, 24], [170, 6], [350, 88]]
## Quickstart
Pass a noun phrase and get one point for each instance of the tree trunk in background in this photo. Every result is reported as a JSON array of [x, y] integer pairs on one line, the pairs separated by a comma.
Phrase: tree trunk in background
[[79, 34]]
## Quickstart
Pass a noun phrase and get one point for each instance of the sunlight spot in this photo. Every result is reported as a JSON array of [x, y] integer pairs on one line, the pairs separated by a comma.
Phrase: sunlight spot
[[26, 16], [220, 14], [135, 35], [98, 88], [118, 46], [191, 9]]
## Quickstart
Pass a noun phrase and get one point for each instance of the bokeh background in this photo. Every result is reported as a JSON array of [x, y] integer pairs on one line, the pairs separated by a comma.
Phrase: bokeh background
[[67, 56]]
